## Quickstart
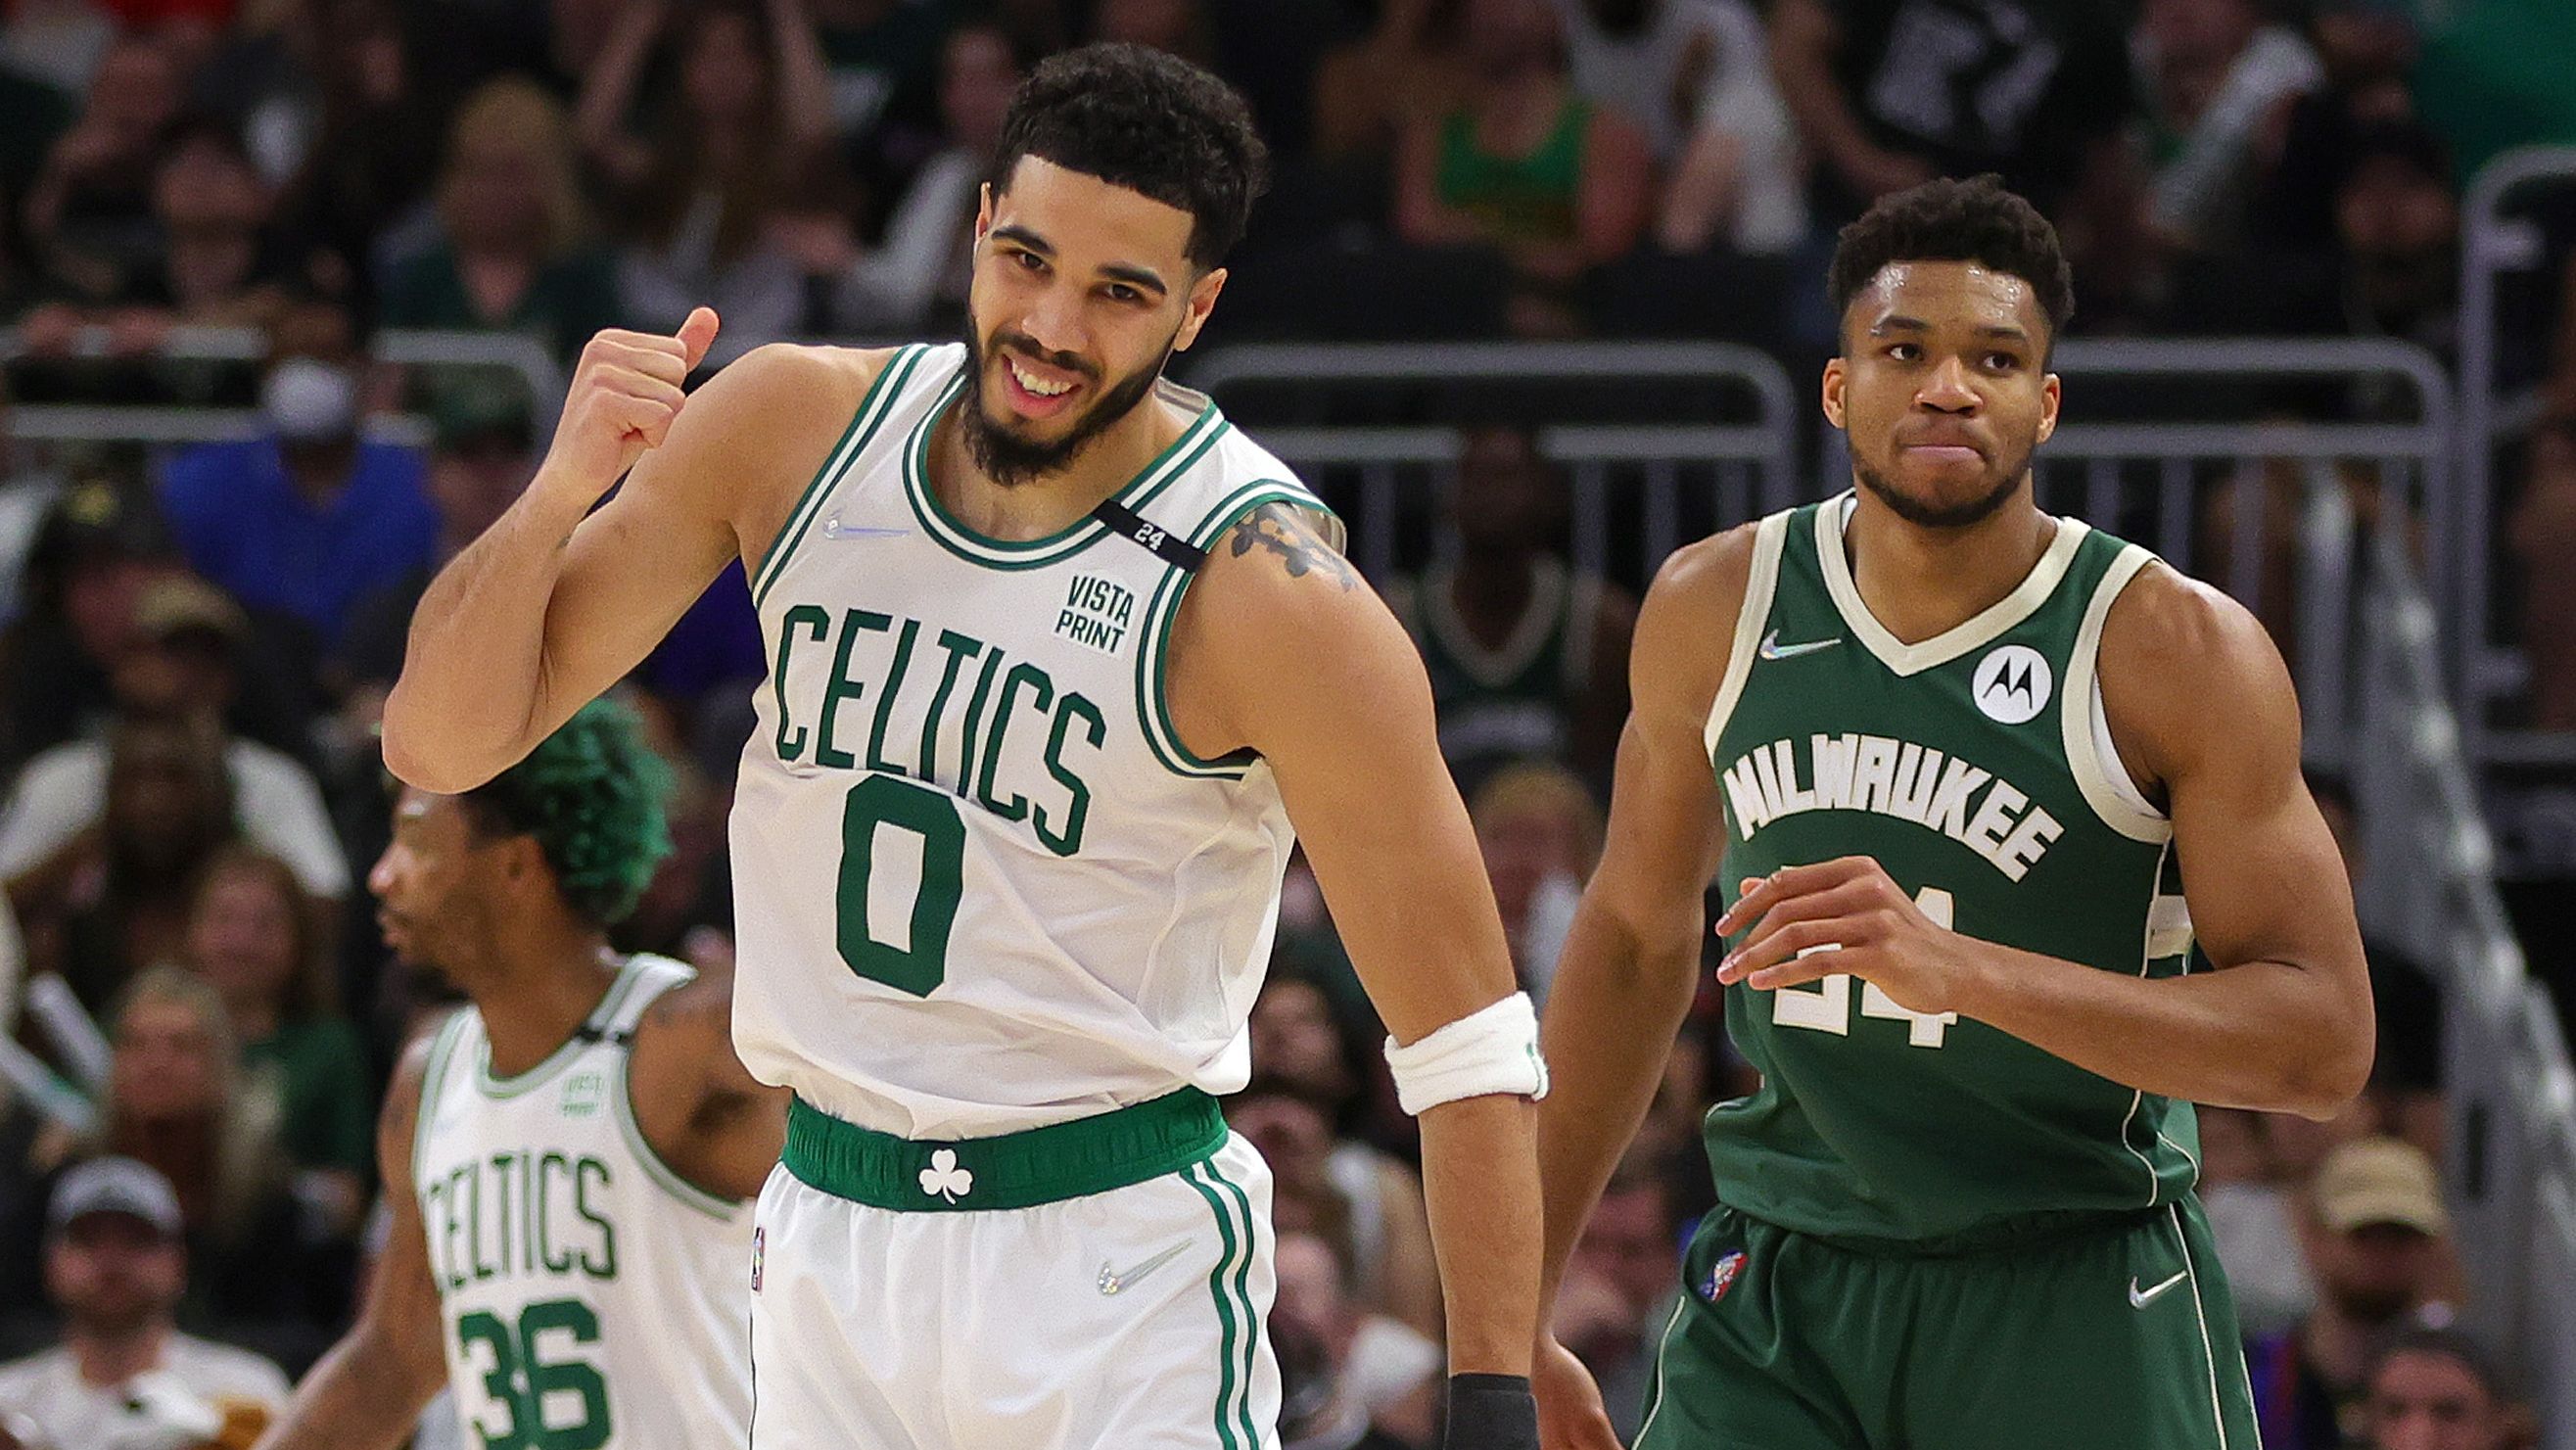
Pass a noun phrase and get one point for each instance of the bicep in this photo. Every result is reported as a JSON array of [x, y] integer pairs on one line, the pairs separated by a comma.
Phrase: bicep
[[736, 451], [1345, 721], [1666, 829], [2260, 869], [630, 571], [1667, 825]]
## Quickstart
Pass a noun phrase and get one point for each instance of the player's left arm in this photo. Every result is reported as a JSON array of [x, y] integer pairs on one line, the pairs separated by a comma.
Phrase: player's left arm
[[1282, 648], [703, 1113], [2202, 708]]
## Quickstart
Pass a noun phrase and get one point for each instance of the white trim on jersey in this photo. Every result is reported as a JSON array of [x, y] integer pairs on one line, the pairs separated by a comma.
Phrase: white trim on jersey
[[1987, 626], [1770, 538]]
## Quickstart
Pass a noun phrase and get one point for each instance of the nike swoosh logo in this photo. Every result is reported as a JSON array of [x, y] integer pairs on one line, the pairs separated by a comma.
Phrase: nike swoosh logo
[[833, 528], [2141, 1298], [1773, 649], [1114, 1280]]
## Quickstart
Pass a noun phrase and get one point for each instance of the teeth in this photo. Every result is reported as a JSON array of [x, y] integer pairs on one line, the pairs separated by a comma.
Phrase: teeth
[[1041, 389]]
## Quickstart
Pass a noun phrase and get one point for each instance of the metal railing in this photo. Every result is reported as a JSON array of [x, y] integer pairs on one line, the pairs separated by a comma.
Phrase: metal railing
[[522, 356], [2495, 244], [1376, 424], [1373, 425], [2371, 644], [2429, 889], [2281, 552]]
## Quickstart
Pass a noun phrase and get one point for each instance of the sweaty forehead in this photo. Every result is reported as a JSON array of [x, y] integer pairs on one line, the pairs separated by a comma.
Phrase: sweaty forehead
[[1948, 294]]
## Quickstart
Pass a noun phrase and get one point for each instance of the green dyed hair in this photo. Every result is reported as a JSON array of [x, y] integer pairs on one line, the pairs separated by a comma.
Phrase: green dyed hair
[[592, 795]]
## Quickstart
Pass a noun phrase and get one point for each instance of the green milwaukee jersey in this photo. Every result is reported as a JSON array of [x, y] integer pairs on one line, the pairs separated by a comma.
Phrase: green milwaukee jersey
[[1976, 768]]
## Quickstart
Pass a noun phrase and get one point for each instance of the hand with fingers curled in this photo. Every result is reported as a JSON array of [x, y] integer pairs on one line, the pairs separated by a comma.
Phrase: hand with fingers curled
[[1570, 1412], [1802, 923], [625, 393]]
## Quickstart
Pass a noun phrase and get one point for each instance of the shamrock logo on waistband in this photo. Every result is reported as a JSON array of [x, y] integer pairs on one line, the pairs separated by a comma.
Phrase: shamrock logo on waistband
[[944, 1179]]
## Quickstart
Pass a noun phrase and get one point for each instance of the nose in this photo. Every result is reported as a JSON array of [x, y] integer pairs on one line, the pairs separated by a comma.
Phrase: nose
[[1054, 321], [380, 877], [1947, 389]]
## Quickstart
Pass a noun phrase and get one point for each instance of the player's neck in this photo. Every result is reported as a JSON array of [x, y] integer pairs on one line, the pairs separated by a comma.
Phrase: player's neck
[[547, 978], [1053, 502], [1921, 582]]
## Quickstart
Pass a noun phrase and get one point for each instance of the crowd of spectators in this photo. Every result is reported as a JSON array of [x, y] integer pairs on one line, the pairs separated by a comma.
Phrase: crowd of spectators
[[197, 644]]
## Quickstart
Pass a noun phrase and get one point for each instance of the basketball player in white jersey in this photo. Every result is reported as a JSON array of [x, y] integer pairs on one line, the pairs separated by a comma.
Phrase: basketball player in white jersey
[[1056, 659], [568, 1160]]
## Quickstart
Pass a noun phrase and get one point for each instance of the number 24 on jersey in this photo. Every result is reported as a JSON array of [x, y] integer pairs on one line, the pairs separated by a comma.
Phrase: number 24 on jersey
[[1825, 1005]]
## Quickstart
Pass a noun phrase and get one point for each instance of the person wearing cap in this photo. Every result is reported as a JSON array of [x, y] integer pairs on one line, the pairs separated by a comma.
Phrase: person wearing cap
[[310, 517], [115, 1266], [2436, 1389], [99, 545], [2379, 1245], [184, 666]]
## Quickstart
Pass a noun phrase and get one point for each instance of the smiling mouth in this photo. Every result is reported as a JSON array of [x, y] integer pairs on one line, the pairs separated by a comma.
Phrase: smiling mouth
[[1036, 390], [1034, 382]]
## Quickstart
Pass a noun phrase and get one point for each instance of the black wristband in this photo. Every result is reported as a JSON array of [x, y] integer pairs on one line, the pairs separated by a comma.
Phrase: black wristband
[[1491, 1412]]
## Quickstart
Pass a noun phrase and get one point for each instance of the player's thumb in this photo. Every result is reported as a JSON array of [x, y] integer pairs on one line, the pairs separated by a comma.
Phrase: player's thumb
[[698, 334]]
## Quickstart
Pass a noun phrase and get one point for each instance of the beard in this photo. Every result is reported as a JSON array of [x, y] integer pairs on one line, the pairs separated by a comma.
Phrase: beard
[[1941, 516], [1011, 460]]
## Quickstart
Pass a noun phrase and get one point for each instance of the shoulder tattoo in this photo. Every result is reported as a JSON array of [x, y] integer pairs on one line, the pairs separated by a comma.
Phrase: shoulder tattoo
[[1277, 528]]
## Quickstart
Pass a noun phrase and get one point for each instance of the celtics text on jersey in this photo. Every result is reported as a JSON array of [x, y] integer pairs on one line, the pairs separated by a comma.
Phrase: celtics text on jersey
[[981, 884], [1976, 768], [590, 1297]]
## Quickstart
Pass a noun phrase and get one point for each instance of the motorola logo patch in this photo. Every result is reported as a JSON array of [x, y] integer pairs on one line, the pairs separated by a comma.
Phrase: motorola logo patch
[[2012, 684]]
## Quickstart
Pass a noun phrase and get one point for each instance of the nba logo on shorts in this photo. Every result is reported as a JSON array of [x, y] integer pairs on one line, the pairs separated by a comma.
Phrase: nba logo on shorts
[[758, 1237], [1722, 1275]]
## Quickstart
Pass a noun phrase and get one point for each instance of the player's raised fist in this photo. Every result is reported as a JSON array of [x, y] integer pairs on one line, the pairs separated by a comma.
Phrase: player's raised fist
[[625, 393]]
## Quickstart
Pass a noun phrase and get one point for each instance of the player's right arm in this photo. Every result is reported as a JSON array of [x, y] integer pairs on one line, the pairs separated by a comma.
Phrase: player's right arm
[[368, 1391], [558, 600], [1631, 962]]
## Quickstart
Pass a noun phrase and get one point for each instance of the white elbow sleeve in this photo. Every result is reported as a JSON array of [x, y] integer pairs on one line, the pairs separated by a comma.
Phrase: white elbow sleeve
[[1494, 1050]]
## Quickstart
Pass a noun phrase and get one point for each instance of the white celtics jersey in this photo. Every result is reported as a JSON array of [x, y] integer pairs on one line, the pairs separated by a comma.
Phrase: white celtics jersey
[[980, 885], [588, 1296]]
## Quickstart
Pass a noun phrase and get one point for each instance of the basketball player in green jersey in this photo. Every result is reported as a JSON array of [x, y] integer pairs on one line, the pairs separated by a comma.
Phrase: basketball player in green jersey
[[1958, 765]]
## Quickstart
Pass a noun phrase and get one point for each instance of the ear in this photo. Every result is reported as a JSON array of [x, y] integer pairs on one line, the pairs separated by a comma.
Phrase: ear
[[983, 211], [2049, 397], [522, 860], [1835, 373], [1203, 295]]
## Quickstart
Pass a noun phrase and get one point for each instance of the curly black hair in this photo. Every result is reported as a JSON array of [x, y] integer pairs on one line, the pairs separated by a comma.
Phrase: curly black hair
[[1943, 220], [592, 795], [1150, 122]]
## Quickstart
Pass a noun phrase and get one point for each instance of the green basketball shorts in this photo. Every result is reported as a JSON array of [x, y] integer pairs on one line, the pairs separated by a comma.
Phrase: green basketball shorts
[[2116, 1338]]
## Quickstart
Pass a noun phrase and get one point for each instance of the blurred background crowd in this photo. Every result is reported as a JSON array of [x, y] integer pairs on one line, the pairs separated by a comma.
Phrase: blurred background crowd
[[198, 639]]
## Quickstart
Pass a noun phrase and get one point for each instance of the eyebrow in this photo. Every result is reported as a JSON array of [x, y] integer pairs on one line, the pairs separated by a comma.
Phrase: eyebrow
[[1128, 272], [1916, 324]]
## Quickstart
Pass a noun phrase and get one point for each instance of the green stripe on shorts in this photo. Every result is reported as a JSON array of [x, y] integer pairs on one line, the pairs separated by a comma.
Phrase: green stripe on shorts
[[1224, 1306]]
